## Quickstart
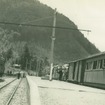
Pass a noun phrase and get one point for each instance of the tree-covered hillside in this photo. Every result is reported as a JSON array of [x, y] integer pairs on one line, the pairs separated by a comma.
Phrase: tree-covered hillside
[[69, 44]]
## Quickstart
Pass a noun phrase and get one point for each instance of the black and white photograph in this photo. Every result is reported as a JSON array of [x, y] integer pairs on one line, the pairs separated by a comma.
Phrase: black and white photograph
[[52, 52]]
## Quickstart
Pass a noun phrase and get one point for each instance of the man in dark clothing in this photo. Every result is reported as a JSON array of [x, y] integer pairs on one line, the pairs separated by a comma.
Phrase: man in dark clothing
[[18, 75], [66, 74], [60, 73]]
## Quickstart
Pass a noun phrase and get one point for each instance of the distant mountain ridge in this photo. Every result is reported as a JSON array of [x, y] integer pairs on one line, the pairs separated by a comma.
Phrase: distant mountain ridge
[[69, 44]]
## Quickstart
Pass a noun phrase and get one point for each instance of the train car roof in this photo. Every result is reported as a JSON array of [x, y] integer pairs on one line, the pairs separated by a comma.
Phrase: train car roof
[[89, 57], [95, 55], [16, 65]]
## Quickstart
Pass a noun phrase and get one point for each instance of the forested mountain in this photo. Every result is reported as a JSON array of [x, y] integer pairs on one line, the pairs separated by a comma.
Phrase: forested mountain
[[69, 44]]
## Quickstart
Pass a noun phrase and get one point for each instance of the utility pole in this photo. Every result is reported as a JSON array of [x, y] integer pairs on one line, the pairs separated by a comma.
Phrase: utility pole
[[52, 45]]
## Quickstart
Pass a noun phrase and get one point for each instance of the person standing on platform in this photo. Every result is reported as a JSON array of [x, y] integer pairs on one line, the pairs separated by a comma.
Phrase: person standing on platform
[[60, 73], [18, 75]]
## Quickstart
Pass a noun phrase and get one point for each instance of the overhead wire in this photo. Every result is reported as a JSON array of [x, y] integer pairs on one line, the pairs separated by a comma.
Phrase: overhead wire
[[43, 26]]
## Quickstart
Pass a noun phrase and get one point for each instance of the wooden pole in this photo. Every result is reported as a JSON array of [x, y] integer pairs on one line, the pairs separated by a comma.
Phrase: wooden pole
[[52, 46]]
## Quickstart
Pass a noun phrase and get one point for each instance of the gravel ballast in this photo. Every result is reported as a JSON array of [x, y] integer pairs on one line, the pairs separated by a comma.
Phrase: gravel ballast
[[6, 80], [21, 96], [6, 92]]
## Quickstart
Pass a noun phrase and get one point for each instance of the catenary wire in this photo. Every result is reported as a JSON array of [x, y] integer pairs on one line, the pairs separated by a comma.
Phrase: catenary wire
[[43, 26]]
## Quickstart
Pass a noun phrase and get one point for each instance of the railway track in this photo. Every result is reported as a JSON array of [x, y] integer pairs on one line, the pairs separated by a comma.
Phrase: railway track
[[7, 84], [7, 91], [13, 93]]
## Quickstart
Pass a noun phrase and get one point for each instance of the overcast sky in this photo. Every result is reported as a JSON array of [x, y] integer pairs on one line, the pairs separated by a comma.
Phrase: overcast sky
[[86, 14]]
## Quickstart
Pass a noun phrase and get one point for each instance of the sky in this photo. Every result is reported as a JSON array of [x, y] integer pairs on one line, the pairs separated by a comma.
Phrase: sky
[[86, 14]]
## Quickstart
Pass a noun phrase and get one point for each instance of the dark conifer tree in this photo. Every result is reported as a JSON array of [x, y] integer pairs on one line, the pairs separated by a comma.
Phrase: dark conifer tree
[[25, 57], [41, 68], [46, 62], [34, 64]]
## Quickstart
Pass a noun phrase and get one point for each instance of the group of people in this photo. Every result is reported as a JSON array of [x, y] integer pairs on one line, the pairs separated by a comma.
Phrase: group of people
[[63, 74], [19, 75]]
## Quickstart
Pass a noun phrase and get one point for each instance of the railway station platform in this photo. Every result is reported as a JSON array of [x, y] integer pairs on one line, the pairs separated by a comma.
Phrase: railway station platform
[[45, 92]]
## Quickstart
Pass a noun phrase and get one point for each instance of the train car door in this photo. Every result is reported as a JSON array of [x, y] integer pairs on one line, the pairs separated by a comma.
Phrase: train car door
[[74, 67], [76, 72], [82, 71], [71, 67], [79, 71]]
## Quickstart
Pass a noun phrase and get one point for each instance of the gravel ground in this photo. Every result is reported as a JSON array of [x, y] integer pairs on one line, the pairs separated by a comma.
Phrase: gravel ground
[[6, 92], [50, 96], [21, 97], [6, 80]]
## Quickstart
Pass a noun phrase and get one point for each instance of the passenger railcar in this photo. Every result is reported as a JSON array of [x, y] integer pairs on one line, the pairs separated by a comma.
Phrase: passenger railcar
[[88, 71], [95, 70]]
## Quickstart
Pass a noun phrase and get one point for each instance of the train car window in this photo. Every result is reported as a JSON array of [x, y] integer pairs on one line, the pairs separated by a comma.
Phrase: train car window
[[74, 70], [94, 64], [17, 67], [99, 64], [89, 66]]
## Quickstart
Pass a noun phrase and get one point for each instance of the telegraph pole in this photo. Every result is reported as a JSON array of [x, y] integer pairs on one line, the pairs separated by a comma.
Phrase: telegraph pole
[[52, 45]]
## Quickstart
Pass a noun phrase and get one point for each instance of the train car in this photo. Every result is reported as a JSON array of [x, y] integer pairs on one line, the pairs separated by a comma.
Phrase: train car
[[94, 74], [88, 71], [16, 68], [12, 70]]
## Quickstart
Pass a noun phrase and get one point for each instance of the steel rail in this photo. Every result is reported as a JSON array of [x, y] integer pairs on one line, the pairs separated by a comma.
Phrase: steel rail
[[7, 84], [13, 93]]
